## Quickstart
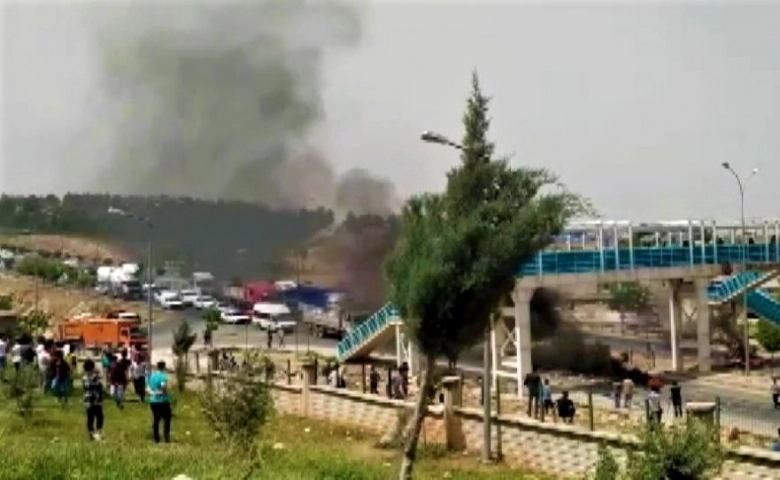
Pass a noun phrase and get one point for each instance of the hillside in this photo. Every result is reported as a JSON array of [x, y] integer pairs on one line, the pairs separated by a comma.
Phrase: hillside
[[62, 302], [227, 238], [233, 240]]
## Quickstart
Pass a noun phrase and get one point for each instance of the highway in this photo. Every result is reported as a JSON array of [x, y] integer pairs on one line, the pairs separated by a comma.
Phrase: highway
[[746, 409]]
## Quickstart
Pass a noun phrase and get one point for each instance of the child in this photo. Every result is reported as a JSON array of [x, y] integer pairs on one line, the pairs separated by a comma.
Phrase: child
[[93, 400]]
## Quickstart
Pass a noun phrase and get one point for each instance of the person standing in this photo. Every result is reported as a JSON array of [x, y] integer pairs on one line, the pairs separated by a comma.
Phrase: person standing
[[159, 403], [628, 392], [61, 373], [139, 371], [118, 375], [654, 408], [675, 392], [16, 355], [533, 384], [373, 380], [93, 400], [45, 371], [775, 394]]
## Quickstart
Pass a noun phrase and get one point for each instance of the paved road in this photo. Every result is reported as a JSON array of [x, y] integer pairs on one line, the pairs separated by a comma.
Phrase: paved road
[[745, 409]]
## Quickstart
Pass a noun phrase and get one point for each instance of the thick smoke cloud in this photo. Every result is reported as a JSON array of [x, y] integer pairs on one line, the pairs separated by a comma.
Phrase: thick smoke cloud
[[221, 101]]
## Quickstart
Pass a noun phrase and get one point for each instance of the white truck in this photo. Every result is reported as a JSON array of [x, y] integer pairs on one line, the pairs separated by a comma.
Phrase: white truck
[[120, 282]]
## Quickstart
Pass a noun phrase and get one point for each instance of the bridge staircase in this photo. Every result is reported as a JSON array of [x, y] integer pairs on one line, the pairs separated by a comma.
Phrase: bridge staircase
[[759, 302], [376, 331]]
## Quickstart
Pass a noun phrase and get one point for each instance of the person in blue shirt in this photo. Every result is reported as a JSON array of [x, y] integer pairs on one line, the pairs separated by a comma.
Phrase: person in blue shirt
[[159, 402]]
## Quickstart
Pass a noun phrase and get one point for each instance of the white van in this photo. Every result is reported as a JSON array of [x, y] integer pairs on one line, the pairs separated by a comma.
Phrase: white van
[[273, 316]]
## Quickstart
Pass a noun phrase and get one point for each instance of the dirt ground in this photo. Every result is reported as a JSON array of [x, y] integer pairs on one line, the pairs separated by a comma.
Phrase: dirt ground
[[88, 248], [63, 302]]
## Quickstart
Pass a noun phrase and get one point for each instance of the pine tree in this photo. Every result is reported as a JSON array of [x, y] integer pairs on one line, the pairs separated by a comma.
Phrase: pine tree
[[459, 251]]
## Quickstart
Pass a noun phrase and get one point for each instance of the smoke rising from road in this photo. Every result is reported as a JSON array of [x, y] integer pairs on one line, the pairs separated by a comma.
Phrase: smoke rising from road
[[222, 100]]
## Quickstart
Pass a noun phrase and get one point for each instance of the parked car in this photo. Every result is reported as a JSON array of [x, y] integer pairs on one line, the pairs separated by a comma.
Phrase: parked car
[[204, 302], [170, 300], [234, 316], [188, 297]]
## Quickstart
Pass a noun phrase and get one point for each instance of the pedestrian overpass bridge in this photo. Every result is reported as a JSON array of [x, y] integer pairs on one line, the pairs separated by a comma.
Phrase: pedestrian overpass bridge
[[608, 252]]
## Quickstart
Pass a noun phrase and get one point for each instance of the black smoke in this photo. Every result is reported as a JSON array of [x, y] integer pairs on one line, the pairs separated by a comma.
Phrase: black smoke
[[222, 100]]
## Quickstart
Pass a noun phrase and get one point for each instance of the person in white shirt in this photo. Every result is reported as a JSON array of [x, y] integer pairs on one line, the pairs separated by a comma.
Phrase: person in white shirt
[[16, 355], [139, 370], [44, 361], [654, 405]]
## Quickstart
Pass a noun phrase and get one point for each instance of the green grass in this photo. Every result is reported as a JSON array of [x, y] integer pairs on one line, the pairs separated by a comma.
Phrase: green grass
[[53, 445]]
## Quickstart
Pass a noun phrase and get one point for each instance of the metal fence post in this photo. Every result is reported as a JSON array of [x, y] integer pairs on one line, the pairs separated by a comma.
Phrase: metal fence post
[[591, 420]]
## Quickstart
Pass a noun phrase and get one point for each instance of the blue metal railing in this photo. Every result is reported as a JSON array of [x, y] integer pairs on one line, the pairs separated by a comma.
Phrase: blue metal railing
[[611, 260], [370, 327], [764, 305], [730, 287]]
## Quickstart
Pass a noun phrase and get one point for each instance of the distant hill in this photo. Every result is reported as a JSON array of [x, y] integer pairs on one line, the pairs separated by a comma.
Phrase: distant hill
[[230, 239]]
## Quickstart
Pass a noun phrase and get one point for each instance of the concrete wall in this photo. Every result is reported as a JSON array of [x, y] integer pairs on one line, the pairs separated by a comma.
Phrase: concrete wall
[[554, 448]]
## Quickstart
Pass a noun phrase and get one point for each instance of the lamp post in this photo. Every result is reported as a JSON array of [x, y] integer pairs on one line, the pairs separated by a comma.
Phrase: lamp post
[[727, 166], [439, 139], [149, 274]]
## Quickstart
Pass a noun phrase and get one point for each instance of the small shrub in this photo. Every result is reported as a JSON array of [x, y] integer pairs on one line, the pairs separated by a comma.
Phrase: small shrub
[[23, 389], [180, 372], [6, 302], [237, 407], [607, 467], [689, 452]]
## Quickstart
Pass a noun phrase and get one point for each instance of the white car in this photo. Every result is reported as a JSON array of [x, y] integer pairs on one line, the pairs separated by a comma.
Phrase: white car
[[233, 316], [170, 300], [188, 297], [273, 316], [204, 302]]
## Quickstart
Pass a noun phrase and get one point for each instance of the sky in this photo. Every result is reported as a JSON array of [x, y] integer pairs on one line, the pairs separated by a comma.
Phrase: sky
[[633, 105]]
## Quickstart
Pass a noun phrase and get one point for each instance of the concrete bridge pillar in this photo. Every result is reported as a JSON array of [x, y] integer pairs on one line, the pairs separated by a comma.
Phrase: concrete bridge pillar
[[703, 335], [522, 333], [498, 347], [674, 313]]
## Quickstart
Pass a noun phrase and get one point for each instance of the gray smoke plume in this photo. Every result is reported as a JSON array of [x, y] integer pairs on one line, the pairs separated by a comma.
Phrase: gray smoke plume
[[220, 101]]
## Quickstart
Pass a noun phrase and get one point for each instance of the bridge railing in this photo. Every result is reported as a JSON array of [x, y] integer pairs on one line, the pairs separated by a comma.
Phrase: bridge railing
[[363, 332], [720, 290], [611, 260]]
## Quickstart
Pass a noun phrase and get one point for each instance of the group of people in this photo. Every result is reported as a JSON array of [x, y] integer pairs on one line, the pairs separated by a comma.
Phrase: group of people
[[54, 363], [118, 370], [540, 399]]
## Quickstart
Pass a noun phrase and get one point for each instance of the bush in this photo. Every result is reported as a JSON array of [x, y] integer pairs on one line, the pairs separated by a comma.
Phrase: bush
[[6, 302], [690, 452], [237, 407], [23, 389]]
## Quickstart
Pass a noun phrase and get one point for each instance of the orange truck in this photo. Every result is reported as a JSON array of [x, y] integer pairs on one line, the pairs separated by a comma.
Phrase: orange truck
[[98, 332]]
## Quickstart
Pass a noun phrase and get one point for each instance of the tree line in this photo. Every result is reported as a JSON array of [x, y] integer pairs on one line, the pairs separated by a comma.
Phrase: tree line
[[228, 238]]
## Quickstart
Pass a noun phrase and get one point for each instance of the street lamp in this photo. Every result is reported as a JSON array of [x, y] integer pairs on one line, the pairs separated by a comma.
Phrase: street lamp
[[438, 138], [149, 274], [743, 233]]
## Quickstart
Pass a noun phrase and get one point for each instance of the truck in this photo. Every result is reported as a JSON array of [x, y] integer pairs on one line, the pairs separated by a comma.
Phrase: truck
[[251, 293], [321, 309], [97, 332], [120, 282], [204, 283]]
